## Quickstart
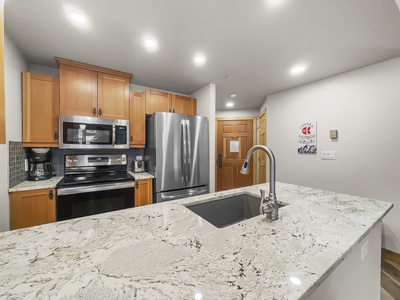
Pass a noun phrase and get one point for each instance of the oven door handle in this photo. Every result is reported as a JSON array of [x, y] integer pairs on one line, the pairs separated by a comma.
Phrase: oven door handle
[[94, 188]]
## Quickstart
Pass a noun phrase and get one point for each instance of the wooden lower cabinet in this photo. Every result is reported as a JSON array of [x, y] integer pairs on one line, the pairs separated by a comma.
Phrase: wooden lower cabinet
[[143, 192], [34, 207]]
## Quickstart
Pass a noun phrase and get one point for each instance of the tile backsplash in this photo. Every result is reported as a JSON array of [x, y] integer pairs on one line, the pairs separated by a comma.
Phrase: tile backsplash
[[16, 165], [17, 155]]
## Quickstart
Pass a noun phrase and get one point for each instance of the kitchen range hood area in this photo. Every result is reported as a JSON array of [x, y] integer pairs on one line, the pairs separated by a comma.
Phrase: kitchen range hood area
[[113, 135]]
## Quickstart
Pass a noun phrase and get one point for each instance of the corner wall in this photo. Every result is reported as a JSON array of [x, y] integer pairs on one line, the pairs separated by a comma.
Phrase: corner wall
[[14, 64], [206, 97], [363, 105]]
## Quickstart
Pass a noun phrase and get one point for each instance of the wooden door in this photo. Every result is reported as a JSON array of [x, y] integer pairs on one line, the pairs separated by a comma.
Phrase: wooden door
[[143, 192], [113, 96], [262, 140], [157, 101], [29, 208], [40, 110], [137, 120], [183, 105], [78, 91], [229, 162]]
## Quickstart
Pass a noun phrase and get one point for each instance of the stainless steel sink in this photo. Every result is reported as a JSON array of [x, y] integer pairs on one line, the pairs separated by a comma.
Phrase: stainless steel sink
[[228, 211]]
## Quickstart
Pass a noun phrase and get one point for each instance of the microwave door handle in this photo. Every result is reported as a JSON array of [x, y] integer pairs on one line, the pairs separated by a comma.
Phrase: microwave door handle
[[189, 155], [183, 142], [113, 135]]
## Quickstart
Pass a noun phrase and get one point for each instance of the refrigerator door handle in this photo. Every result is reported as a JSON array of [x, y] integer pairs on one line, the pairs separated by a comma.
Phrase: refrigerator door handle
[[183, 141], [188, 152]]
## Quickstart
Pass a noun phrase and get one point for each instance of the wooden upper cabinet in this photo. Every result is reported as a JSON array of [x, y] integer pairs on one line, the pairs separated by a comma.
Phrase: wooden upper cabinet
[[183, 105], [29, 208], [113, 96], [87, 90], [78, 91], [40, 110], [157, 101], [137, 120]]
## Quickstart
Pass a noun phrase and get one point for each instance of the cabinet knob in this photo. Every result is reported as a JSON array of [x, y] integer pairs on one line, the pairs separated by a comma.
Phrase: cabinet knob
[[173, 110], [94, 111], [56, 135], [100, 112], [136, 184], [131, 138], [51, 194]]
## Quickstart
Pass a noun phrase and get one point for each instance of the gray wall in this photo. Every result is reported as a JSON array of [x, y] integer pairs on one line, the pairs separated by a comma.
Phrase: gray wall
[[363, 105], [14, 64]]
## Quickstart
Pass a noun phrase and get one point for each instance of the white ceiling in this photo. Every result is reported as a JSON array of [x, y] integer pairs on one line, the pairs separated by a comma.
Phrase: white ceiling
[[256, 42]]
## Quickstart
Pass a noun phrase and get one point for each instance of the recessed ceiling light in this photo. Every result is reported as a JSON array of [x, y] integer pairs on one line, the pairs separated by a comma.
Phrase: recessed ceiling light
[[233, 95], [78, 18], [199, 60], [150, 43], [229, 104], [297, 70]]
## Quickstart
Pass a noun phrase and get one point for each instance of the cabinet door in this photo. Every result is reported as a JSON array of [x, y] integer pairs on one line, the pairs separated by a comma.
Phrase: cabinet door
[[31, 208], [183, 105], [113, 96], [157, 101], [143, 192], [78, 91], [137, 120], [40, 110]]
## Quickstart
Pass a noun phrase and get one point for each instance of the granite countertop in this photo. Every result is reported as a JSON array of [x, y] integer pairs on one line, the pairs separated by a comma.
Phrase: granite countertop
[[165, 251], [36, 185], [51, 183]]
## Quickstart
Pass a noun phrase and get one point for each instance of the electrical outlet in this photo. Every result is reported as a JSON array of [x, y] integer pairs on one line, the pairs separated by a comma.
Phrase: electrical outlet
[[328, 155], [26, 165], [364, 250], [139, 157]]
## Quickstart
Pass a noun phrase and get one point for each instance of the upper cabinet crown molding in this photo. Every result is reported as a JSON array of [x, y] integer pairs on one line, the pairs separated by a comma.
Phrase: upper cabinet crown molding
[[63, 61]]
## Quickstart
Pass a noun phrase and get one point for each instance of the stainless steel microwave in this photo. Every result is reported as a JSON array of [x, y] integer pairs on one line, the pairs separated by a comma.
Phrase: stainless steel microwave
[[79, 132]]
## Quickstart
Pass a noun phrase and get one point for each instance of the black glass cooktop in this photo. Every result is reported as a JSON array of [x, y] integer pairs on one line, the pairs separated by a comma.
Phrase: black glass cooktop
[[94, 178]]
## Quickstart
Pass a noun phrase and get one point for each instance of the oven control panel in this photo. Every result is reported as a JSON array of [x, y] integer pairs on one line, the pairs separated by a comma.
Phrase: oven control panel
[[94, 160]]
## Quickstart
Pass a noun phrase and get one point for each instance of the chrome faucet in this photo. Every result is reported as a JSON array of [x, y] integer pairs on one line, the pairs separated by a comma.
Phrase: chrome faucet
[[268, 206]]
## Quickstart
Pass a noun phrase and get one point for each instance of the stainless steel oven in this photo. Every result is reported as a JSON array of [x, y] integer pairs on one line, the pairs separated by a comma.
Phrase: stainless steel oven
[[79, 132], [94, 184]]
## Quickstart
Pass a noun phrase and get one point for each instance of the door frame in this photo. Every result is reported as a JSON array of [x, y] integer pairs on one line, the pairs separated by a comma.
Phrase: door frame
[[255, 164], [262, 112]]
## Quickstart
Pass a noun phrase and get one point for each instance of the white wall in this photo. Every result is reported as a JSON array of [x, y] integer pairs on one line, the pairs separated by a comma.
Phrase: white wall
[[237, 113], [14, 64], [206, 97], [363, 105]]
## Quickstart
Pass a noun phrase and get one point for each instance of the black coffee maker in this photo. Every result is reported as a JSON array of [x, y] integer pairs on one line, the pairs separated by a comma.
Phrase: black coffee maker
[[40, 167]]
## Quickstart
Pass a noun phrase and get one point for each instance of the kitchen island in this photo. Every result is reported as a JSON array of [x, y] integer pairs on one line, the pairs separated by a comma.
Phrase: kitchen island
[[165, 251]]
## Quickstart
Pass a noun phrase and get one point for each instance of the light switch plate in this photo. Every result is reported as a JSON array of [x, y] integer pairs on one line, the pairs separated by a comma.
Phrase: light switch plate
[[139, 157], [26, 165], [333, 134]]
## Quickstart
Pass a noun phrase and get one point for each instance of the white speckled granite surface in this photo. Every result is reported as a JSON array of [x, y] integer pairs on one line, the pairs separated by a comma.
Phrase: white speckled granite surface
[[139, 176], [36, 185], [165, 251]]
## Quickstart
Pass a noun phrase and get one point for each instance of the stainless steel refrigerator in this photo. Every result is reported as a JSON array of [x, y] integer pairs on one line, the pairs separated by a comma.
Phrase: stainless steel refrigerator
[[177, 154]]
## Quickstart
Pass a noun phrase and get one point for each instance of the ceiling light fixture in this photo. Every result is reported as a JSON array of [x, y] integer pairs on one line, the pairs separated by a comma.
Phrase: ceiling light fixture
[[297, 70], [199, 60], [229, 104], [233, 95], [150, 43], [78, 18]]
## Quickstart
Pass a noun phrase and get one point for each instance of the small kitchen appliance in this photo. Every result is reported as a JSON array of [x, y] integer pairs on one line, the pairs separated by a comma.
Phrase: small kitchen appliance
[[40, 167], [138, 166]]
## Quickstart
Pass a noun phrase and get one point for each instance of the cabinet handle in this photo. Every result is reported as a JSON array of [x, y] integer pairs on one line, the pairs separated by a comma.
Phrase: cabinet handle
[[94, 111], [136, 184], [56, 135], [173, 110], [131, 138], [169, 110], [100, 112], [51, 194]]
